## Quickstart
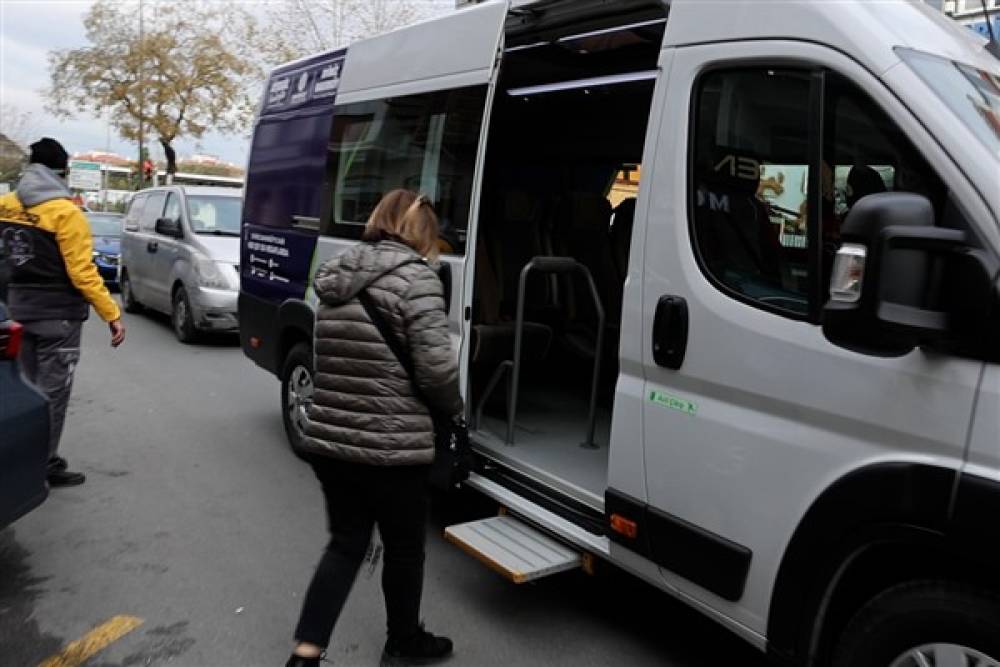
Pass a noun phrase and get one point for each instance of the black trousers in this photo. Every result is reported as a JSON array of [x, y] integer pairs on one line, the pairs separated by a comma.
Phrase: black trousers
[[357, 498]]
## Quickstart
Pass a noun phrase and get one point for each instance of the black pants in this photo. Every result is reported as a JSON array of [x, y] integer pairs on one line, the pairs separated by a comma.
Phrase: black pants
[[357, 498], [49, 354]]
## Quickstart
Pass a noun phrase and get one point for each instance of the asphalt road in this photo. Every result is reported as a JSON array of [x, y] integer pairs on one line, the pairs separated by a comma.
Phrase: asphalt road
[[196, 519]]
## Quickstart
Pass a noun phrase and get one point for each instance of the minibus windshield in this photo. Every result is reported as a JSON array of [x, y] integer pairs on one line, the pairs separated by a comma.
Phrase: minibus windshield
[[972, 93], [214, 215]]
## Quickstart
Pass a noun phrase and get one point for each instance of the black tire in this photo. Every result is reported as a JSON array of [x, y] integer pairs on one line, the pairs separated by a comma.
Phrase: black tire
[[181, 317], [129, 304], [296, 393], [917, 614]]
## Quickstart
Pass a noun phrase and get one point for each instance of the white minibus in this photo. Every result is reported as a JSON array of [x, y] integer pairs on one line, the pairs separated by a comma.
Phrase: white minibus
[[767, 380]]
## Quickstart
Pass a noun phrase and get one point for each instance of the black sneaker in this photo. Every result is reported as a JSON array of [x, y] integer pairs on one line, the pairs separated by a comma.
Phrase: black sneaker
[[421, 648], [65, 478], [57, 464], [299, 661]]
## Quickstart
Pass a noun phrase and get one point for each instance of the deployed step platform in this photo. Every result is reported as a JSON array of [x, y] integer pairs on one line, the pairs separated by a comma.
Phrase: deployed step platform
[[513, 548]]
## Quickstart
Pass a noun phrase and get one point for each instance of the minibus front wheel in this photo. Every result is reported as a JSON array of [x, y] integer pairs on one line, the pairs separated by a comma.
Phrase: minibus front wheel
[[296, 393], [930, 622]]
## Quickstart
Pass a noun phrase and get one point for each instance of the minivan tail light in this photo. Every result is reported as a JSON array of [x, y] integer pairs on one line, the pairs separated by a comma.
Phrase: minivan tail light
[[10, 340], [848, 275]]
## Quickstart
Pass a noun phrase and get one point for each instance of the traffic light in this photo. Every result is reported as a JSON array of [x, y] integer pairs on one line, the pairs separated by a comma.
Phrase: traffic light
[[147, 170]]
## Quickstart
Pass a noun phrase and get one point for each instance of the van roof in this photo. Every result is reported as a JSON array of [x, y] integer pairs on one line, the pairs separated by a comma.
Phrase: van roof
[[865, 30], [203, 190]]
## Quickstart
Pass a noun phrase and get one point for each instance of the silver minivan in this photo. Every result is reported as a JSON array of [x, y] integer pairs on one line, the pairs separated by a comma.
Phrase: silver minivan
[[180, 256]]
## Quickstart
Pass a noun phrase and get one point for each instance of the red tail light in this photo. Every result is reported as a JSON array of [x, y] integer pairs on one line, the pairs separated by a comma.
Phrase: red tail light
[[10, 339]]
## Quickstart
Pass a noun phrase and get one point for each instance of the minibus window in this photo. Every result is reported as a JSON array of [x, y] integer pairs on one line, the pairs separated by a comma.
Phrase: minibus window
[[864, 153], [427, 143], [751, 184]]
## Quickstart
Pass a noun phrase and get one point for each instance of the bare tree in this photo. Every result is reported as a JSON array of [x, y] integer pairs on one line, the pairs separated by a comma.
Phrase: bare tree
[[180, 78], [18, 126], [295, 28], [17, 130]]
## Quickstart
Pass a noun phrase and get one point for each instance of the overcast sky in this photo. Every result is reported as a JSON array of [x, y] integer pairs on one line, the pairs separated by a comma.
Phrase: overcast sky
[[29, 29]]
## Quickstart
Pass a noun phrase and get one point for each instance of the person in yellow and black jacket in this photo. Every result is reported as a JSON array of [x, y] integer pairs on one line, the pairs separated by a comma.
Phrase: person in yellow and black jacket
[[51, 281]]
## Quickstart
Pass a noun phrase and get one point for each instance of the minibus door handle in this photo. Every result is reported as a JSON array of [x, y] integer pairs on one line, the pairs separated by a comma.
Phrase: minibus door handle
[[152, 246], [670, 331]]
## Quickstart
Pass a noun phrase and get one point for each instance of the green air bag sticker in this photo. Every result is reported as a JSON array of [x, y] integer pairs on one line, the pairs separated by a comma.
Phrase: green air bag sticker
[[672, 402]]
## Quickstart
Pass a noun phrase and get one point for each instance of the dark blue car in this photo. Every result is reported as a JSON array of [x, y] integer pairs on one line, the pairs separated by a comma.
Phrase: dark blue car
[[106, 229], [24, 431]]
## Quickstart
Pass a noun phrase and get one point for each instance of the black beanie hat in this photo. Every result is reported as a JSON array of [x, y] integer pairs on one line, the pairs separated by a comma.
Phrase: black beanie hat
[[50, 153]]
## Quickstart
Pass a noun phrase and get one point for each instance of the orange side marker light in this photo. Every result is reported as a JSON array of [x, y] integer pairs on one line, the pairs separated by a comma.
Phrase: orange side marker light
[[623, 526]]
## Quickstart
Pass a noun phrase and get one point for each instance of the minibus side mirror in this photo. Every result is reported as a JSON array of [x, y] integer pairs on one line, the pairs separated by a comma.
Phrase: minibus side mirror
[[169, 227], [899, 282]]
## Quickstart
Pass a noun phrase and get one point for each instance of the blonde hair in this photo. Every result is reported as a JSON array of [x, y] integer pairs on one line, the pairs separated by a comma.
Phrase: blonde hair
[[407, 217]]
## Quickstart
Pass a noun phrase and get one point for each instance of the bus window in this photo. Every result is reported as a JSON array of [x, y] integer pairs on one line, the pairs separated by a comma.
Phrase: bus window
[[426, 143]]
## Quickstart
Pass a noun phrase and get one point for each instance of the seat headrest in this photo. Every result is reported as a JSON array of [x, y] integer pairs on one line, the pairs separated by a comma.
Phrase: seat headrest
[[520, 207], [589, 211], [862, 180], [625, 211]]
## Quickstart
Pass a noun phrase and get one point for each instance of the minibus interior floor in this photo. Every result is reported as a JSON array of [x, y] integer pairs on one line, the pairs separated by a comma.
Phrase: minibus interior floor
[[550, 430]]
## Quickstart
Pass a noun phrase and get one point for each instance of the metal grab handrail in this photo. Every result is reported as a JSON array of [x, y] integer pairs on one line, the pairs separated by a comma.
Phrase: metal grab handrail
[[547, 265], [490, 386]]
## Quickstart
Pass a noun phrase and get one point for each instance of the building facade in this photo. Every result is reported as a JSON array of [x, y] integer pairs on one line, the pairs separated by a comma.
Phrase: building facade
[[970, 13]]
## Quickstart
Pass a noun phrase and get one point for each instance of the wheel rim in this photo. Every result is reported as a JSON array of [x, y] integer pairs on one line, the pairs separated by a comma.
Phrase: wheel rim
[[300, 397], [126, 289], [180, 313], [944, 655]]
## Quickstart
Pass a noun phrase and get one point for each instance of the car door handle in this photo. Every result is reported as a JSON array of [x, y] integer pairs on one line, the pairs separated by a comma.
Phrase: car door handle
[[670, 331], [152, 246]]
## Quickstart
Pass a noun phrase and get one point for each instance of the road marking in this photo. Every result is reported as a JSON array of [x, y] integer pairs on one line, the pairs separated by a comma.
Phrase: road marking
[[93, 642]]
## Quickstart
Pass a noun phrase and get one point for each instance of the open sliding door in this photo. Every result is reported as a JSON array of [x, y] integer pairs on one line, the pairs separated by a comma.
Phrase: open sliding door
[[411, 114]]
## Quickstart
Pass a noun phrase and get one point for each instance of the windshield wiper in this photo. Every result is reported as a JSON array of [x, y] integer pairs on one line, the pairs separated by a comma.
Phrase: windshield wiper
[[217, 232]]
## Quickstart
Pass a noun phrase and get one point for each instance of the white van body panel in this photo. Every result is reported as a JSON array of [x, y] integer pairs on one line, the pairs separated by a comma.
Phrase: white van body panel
[[781, 412], [411, 60], [626, 462], [984, 444]]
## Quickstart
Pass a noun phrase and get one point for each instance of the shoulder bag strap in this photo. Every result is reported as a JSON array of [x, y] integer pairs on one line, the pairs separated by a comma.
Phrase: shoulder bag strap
[[390, 339]]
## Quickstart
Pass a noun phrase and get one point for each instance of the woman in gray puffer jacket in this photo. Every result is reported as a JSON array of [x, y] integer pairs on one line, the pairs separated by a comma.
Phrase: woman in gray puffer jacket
[[370, 437]]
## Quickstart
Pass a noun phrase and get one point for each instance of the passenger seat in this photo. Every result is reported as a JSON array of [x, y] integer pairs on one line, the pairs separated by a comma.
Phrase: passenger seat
[[505, 246], [583, 225], [622, 221]]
